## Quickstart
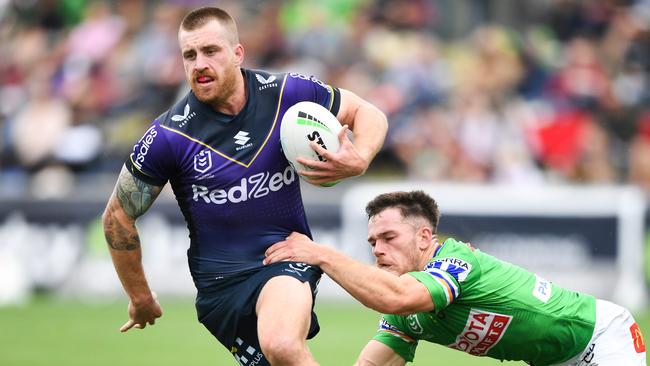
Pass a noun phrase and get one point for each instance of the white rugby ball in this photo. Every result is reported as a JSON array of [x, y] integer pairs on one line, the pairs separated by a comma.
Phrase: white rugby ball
[[303, 123]]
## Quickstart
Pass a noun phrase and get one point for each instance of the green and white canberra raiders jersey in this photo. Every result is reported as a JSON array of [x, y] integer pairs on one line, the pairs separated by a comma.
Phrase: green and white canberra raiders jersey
[[487, 307]]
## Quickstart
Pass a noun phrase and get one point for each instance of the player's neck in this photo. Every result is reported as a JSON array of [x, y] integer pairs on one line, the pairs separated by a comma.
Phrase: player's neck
[[428, 254]]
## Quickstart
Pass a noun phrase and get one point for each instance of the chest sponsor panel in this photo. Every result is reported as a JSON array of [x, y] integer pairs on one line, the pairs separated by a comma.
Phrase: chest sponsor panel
[[252, 187], [482, 331]]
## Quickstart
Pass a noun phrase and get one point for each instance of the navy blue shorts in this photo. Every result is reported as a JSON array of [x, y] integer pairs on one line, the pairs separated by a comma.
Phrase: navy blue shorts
[[228, 312]]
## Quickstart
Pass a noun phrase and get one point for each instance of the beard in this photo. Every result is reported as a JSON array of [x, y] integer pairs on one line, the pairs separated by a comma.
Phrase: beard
[[220, 90]]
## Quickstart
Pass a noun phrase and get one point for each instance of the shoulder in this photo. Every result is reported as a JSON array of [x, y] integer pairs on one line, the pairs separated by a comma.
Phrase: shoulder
[[179, 114], [456, 258], [263, 79], [307, 80]]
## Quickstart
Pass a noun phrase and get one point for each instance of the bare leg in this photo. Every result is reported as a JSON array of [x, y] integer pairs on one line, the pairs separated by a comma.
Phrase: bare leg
[[283, 318]]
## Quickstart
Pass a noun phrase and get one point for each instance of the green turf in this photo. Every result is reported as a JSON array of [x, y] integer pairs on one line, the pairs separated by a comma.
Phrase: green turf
[[55, 332]]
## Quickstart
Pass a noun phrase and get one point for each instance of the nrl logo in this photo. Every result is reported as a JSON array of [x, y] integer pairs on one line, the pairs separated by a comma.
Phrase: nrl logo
[[414, 324], [203, 161]]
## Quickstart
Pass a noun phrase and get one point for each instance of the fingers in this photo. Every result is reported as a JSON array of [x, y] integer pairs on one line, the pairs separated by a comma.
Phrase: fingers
[[277, 256], [283, 250], [273, 248], [317, 164], [343, 134], [295, 235], [128, 325], [132, 324]]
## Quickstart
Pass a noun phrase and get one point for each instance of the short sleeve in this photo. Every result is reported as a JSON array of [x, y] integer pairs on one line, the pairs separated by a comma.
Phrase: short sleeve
[[390, 334], [442, 286], [308, 88], [151, 159]]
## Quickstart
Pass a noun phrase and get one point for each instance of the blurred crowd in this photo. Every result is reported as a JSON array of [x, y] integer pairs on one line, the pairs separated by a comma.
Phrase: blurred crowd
[[506, 91]]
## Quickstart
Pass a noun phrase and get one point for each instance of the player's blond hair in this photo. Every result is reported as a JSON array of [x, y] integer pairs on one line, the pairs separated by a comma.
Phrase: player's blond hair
[[197, 18]]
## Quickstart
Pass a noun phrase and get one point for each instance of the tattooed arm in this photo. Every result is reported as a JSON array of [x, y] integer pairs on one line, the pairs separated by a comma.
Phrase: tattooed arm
[[130, 199]]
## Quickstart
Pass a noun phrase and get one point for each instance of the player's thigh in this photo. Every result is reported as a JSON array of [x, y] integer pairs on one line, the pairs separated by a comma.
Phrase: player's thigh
[[284, 308], [621, 341]]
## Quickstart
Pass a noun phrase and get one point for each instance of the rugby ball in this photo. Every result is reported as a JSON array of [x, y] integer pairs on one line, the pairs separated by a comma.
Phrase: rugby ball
[[303, 123]]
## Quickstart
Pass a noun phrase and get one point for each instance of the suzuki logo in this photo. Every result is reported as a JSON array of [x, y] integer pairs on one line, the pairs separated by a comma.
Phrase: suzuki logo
[[241, 138], [203, 161]]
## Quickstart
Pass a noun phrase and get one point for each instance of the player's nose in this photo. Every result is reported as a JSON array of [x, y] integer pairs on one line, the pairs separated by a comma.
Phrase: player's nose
[[201, 62], [378, 249]]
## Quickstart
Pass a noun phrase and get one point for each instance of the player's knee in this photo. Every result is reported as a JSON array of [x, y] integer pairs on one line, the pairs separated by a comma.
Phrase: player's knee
[[281, 350]]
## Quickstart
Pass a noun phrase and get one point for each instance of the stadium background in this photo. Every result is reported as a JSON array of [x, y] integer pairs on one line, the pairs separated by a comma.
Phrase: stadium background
[[524, 94]]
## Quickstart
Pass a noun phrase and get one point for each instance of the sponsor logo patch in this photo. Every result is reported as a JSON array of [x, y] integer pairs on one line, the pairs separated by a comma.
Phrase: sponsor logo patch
[[246, 355], [241, 139], [203, 161], [414, 324], [589, 355], [482, 331], [297, 268], [639, 343], [255, 186], [310, 78], [185, 117], [458, 268], [386, 327], [141, 148], [266, 82], [542, 289]]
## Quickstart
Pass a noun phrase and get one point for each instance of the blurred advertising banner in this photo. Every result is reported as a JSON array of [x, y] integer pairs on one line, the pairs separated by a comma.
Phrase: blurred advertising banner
[[58, 247]]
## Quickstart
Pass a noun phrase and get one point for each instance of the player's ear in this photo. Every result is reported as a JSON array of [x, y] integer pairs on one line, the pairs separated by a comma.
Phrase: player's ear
[[424, 236], [239, 54]]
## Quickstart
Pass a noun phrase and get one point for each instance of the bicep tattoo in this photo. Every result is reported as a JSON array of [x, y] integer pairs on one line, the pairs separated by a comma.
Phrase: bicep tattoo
[[134, 195], [131, 198]]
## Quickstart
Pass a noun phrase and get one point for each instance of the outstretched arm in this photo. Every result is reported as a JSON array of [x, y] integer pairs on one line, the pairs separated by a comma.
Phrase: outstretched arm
[[369, 126], [378, 354], [375, 288], [130, 199]]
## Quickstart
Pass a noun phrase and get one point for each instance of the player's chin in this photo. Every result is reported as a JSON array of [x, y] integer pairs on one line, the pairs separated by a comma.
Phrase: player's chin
[[204, 92]]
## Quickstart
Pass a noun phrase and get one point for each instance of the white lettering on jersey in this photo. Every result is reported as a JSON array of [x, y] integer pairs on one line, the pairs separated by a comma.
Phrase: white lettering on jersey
[[141, 148], [458, 268], [311, 78], [482, 331], [542, 289], [256, 186]]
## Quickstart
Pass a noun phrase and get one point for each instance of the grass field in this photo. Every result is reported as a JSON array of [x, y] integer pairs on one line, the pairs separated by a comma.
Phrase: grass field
[[70, 333]]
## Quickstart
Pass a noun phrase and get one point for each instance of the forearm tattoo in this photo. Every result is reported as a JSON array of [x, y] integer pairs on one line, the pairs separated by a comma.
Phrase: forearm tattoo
[[131, 198]]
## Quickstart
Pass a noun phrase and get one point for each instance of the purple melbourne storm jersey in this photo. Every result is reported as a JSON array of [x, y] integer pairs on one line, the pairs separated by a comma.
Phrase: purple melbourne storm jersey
[[233, 184]]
